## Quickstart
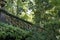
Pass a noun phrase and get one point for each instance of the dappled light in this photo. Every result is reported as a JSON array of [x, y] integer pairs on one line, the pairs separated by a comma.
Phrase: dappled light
[[29, 19]]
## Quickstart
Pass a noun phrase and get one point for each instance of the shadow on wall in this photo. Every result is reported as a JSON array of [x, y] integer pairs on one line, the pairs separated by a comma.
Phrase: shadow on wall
[[2, 17]]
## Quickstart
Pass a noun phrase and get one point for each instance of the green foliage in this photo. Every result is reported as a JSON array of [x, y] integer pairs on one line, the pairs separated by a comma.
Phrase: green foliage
[[46, 14], [20, 8], [15, 33]]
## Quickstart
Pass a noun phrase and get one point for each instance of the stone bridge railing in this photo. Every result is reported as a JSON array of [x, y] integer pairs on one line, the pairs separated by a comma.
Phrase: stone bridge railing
[[13, 20]]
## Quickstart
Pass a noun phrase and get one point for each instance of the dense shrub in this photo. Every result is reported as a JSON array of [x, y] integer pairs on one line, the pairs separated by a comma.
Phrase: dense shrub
[[9, 32]]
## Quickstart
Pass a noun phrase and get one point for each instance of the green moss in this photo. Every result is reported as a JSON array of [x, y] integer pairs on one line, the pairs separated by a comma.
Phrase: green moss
[[9, 31]]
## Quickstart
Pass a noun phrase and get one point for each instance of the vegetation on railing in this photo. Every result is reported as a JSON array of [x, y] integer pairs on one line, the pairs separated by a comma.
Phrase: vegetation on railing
[[9, 32]]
